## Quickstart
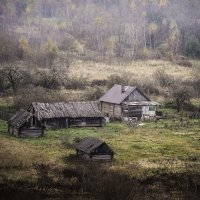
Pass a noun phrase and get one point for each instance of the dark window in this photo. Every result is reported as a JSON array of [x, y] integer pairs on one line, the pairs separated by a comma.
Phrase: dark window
[[152, 108]]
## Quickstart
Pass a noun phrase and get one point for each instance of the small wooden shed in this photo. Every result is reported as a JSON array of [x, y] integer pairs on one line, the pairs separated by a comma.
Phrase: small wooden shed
[[71, 114], [21, 125], [94, 149]]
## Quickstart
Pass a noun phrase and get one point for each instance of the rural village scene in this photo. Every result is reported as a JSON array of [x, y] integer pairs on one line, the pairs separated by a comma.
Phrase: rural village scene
[[100, 99]]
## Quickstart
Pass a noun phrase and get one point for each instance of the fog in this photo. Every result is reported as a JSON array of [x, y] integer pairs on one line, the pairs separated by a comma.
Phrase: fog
[[125, 29]]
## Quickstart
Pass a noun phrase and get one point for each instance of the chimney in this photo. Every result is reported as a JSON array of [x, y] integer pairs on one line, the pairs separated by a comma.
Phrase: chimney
[[123, 88]]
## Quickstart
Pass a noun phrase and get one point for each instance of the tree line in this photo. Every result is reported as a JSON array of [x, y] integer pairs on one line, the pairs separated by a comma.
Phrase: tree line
[[107, 29]]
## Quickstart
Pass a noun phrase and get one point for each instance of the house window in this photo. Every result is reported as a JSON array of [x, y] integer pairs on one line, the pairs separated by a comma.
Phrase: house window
[[152, 108]]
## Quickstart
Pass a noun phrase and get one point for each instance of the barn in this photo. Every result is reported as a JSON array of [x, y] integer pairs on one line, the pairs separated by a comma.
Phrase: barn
[[94, 149], [126, 101], [71, 114], [21, 125]]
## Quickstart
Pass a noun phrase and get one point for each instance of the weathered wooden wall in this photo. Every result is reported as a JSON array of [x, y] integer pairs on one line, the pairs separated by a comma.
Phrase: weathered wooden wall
[[56, 123], [117, 110], [111, 110], [27, 132], [86, 122], [136, 96], [31, 132], [107, 109]]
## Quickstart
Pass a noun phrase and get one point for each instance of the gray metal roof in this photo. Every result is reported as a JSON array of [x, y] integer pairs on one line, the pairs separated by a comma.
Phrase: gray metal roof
[[115, 95], [89, 144], [70, 109], [18, 119]]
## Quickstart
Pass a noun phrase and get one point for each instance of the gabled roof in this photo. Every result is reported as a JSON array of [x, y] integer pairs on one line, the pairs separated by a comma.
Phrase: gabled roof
[[89, 144], [19, 118], [115, 95], [70, 109]]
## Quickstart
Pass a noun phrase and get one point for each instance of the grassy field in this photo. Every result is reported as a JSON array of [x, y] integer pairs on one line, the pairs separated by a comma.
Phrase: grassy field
[[140, 69], [152, 145], [166, 147]]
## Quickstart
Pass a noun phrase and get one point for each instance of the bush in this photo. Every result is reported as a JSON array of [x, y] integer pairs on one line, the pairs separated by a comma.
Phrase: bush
[[76, 83], [94, 93], [181, 94], [25, 97], [163, 79], [97, 82], [193, 47], [124, 79], [16, 77], [50, 80]]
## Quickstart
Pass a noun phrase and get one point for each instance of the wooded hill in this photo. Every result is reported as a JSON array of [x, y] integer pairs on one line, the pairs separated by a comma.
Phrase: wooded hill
[[98, 30]]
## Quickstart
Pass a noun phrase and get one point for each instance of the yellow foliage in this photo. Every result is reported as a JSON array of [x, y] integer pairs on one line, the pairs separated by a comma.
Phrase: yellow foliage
[[153, 28], [72, 7], [133, 6], [163, 2], [100, 21], [24, 45], [144, 13]]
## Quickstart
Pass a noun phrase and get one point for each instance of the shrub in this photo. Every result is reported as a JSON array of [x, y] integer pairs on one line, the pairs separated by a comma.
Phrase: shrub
[[97, 82], [124, 79], [181, 94], [50, 80], [16, 77], [76, 83], [163, 79], [193, 47], [25, 97], [94, 93]]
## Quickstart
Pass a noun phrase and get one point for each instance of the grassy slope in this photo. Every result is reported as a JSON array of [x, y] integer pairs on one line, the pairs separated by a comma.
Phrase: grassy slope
[[141, 69], [164, 145]]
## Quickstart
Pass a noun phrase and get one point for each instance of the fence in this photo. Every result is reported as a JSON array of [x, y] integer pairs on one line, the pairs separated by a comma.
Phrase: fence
[[6, 112]]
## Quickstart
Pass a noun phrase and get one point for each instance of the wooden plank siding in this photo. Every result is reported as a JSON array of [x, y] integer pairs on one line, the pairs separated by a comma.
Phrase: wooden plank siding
[[136, 96], [111, 110], [107, 109], [117, 110], [26, 132], [86, 122]]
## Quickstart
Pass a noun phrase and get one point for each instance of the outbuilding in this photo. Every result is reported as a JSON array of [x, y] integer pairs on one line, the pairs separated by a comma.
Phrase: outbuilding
[[71, 114], [94, 149], [21, 125]]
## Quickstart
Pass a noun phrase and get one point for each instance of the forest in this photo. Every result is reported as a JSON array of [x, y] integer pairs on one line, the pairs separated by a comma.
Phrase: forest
[[100, 30]]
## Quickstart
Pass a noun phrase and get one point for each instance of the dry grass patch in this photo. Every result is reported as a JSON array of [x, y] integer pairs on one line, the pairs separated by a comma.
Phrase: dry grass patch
[[141, 69]]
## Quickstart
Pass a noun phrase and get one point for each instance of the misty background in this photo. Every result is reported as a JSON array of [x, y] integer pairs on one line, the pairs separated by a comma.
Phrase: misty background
[[99, 29]]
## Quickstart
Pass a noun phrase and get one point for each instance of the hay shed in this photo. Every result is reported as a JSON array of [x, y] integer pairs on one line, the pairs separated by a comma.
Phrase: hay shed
[[71, 114], [25, 124], [94, 149]]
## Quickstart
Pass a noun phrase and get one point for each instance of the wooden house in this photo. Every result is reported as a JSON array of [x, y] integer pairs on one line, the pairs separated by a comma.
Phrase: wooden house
[[71, 114], [21, 125], [94, 149], [126, 101]]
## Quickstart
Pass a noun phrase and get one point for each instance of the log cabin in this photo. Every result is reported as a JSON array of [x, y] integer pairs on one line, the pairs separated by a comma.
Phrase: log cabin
[[125, 102], [71, 114], [21, 125], [94, 149]]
